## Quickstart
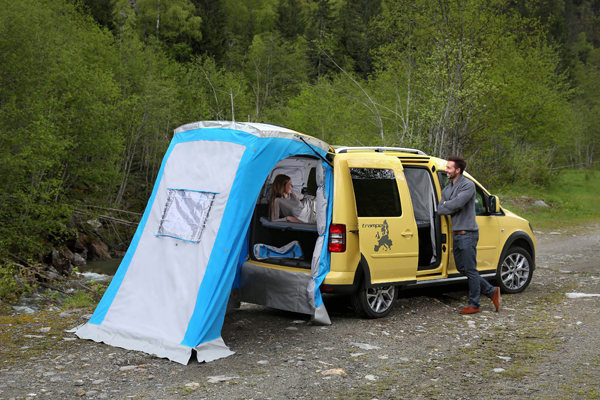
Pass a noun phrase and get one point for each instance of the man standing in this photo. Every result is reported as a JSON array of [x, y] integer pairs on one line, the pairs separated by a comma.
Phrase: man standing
[[458, 201]]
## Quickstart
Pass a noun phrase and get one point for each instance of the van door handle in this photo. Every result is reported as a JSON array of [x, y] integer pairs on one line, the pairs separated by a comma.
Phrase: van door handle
[[407, 233], [354, 231]]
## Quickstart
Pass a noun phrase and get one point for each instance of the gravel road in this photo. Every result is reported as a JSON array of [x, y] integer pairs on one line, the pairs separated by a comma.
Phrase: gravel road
[[542, 345]]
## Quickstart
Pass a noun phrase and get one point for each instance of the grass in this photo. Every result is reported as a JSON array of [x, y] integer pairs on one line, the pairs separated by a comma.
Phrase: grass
[[572, 199], [79, 300]]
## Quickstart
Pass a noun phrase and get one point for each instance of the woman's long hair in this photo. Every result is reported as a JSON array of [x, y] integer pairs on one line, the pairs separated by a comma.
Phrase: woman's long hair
[[277, 190]]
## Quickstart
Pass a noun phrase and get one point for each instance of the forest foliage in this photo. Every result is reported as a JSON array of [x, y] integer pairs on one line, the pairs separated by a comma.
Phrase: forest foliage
[[91, 90]]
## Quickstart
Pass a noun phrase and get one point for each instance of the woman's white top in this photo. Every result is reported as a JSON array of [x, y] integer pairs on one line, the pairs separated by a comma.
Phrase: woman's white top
[[295, 205]]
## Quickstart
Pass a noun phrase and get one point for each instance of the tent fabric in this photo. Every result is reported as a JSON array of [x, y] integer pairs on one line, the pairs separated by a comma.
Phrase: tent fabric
[[170, 292]]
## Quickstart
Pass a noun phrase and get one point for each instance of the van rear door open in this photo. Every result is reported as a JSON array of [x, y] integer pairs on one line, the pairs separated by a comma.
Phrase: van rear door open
[[387, 229]]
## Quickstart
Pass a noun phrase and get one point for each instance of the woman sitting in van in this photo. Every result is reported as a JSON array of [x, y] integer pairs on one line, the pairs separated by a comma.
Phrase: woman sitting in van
[[293, 206]]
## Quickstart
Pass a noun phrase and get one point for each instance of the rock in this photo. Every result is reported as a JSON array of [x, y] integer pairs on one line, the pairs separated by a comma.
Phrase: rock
[[128, 368], [99, 250], [335, 371], [78, 260], [97, 382], [45, 330], [499, 370], [371, 377], [220, 378], [66, 253], [80, 393], [94, 223], [505, 358], [192, 385], [581, 295], [365, 346], [291, 328], [262, 362], [52, 274], [61, 264], [118, 253], [78, 382], [540, 203]]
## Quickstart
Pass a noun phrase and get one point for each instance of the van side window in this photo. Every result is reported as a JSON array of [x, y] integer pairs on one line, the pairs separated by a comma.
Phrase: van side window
[[376, 192], [479, 201]]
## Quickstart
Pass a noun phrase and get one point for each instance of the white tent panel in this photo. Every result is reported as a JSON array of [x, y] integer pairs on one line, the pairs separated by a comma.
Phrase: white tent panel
[[157, 295]]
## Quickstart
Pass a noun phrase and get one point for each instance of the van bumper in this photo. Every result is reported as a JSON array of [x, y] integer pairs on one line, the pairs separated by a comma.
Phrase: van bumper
[[338, 289]]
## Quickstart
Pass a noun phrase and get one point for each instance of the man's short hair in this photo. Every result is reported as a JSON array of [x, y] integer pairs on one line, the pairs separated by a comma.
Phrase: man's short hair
[[459, 162]]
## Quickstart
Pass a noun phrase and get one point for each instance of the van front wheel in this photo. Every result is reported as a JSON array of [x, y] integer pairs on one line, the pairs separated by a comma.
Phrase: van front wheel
[[375, 302], [514, 270]]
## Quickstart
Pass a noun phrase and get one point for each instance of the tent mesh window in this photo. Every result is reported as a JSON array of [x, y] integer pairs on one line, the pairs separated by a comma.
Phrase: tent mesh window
[[185, 214]]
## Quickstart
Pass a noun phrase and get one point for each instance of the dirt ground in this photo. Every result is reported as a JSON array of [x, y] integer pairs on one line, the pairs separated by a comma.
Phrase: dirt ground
[[542, 345]]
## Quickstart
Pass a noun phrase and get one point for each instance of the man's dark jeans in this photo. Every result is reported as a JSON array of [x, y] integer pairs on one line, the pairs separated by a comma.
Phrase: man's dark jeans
[[465, 257]]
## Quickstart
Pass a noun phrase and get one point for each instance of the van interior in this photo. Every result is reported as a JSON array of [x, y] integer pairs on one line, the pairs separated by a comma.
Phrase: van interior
[[267, 237]]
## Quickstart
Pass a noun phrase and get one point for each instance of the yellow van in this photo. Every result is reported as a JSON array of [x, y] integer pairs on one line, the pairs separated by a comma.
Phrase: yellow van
[[385, 234]]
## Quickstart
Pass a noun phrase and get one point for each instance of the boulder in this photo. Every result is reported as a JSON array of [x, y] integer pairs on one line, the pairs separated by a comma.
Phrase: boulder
[[66, 253], [51, 273], [94, 223], [78, 260], [99, 250], [79, 244], [540, 203], [62, 265]]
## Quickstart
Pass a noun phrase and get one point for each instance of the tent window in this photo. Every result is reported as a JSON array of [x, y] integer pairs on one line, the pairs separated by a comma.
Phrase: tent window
[[185, 214]]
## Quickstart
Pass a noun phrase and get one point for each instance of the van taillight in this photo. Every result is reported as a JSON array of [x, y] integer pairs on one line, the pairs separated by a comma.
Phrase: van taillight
[[337, 238]]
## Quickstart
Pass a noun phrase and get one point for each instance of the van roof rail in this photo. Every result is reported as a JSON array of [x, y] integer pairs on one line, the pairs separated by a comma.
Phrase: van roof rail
[[345, 149]]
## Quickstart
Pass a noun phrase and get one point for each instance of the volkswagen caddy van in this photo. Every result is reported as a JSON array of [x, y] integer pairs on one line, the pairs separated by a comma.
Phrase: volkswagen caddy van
[[385, 234]]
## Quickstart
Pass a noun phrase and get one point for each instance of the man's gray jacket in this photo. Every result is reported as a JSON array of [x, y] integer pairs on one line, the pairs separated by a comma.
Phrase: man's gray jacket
[[458, 201]]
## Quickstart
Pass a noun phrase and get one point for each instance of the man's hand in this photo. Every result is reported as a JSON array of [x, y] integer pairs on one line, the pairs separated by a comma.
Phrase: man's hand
[[292, 219]]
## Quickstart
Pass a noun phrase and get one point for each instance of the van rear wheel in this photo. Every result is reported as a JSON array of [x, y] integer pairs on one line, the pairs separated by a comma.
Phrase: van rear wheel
[[375, 302]]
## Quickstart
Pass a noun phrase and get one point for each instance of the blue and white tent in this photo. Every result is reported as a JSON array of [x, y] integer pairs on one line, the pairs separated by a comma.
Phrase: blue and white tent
[[171, 290]]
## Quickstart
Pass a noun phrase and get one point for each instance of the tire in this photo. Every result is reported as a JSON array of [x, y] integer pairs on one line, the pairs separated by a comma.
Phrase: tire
[[374, 302], [515, 270]]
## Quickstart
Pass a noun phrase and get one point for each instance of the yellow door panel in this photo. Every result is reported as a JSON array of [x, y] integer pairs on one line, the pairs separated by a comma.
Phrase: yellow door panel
[[387, 229]]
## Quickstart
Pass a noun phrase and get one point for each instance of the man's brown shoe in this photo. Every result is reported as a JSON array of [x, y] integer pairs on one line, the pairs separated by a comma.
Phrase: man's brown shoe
[[469, 310], [497, 300]]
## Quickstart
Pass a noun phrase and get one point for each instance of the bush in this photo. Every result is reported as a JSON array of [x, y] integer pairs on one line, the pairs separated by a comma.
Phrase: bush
[[11, 282]]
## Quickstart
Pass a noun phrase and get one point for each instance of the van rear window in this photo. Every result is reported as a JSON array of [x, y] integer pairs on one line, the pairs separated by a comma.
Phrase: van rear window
[[376, 192]]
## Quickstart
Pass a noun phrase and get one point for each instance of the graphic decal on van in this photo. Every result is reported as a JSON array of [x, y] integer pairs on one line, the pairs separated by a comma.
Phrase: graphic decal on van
[[383, 238]]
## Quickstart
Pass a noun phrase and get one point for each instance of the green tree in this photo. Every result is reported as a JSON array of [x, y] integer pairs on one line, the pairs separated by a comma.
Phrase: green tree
[[322, 43], [56, 131], [291, 21], [214, 29], [275, 71], [358, 33]]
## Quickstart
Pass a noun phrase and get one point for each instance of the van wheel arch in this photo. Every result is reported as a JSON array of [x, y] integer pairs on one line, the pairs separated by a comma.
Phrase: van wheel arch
[[371, 302], [361, 275]]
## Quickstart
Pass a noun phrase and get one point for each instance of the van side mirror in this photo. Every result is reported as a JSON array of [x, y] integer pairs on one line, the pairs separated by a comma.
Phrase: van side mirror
[[494, 205]]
